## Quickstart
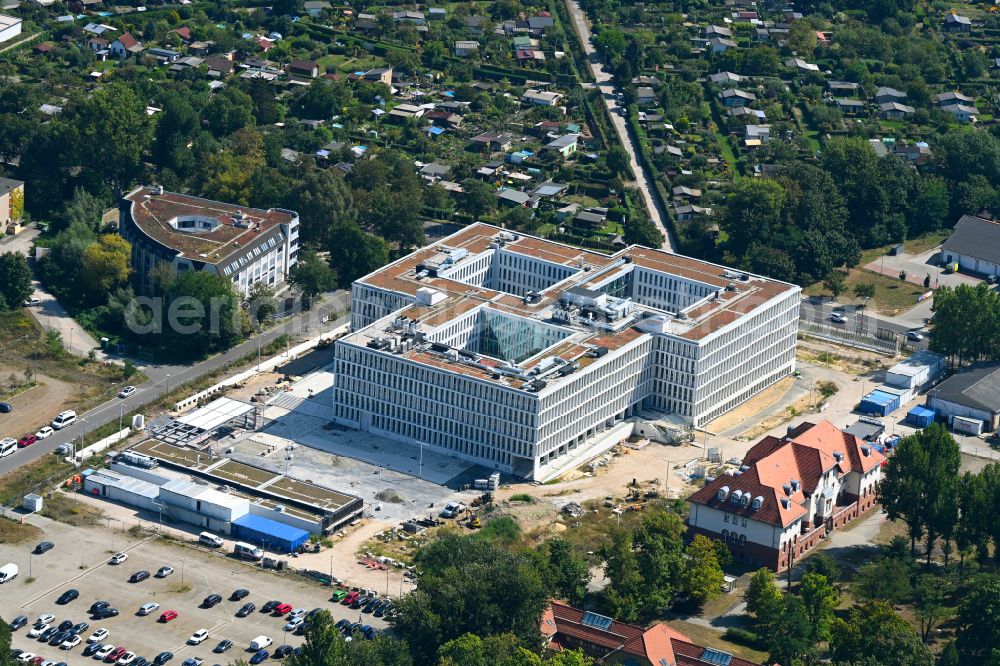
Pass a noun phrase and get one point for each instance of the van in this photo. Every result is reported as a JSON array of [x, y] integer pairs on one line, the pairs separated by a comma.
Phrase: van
[[64, 419], [8, 572], [247, 551], [209, 539], [260, 643], [7, 446]]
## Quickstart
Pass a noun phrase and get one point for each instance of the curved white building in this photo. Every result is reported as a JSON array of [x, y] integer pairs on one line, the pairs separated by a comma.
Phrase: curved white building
[[513, 351]]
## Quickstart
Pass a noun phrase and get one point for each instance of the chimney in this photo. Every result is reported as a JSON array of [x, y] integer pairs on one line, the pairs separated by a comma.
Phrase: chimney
[[838, 456], [866, 450]]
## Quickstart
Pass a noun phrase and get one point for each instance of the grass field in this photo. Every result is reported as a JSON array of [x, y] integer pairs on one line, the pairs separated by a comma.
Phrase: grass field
[[891, 295], [12, 531], [67, 509]]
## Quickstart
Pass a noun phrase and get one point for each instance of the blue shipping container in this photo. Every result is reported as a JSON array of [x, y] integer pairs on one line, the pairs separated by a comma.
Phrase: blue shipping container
[[879, 402], [920, 416]]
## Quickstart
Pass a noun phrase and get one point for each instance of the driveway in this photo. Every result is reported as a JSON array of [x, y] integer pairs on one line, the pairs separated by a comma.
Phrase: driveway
[[643, 179], [918, 267]]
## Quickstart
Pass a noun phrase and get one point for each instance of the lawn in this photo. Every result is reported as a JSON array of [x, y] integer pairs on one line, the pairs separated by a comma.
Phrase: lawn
[[891, 295], [702, 635], [68, 509], [727, 154], [12, 531], [348, 64]]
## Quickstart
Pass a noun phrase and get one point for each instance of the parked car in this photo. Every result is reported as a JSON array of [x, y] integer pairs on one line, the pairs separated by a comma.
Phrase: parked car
[[246, 609], [163, 658], [45, 618], [342, 624], [58, 638], [163, 572], [115, 655], [138, 577], [98, 635], [149, 608], [104, 652], [71, 642], [105, 613], [68, 596], [125, 659], [126, 392], [18, 622], [91, 649], [79, 628], [37, 630], [914, 335], [26, 657], [192, 661], [118, 558], [65, 625], [211, 600], [224, 646], [239, 594], [838, 318], [98, 605], [282, 609], [258, 657], [44, 432], [27, 440], [43, 547], [294, 624], [198, 637], [47, 634], [167, 616], [282, 651], [269, 606], [6, 407], [338, 595], [350, 598]]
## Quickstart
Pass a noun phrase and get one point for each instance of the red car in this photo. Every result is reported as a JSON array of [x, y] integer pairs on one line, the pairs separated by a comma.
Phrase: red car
[[115, 655], [351, 598], [167, 616], [27, 440], [282, 609]]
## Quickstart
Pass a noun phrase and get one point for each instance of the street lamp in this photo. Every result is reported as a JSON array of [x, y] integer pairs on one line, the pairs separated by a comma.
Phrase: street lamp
[[182, 572]]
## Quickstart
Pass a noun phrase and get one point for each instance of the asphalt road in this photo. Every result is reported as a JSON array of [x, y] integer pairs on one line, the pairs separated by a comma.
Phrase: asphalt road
[[630, 143], [162, 377], [857, 320]]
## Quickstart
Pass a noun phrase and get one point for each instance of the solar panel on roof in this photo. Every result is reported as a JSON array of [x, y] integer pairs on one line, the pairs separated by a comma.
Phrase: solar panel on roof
[[713, 656], [596, 621]]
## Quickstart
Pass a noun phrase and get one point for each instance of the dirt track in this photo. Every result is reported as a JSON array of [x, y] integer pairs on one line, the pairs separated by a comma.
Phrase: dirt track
[[35, 407]]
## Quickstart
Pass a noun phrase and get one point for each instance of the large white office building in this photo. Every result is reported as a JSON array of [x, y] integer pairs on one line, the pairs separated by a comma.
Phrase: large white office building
[[513, 352]]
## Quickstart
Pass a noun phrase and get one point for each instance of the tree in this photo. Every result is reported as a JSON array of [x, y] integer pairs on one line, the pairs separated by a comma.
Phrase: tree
[[836, 283], [355, 253], [203, 314], [976, 312], [106, 265], [619, 163], [792, 639], [875, 631], [15, 280], [478, 198], [979, 622], [502, 650], [227, 111], [819, 599], [324, 203], [928, 600], [640, 230], [887, 578], [259, 302], [325, 646], [864, 290], [469, 585], [753, 213], [763, 598], [702, 578], [802, 38], [312, 274], [567, 573], [84, 208], [623, 594], [6, 658]]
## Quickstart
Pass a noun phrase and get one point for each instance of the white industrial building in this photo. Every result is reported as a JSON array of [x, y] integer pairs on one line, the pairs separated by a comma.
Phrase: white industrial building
[[245, 245], [113, 485], [514, 352], [10, 27], [200, 505]]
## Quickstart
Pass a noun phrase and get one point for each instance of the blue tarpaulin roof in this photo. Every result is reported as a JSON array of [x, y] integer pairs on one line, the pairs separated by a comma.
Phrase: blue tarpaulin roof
[[278, 536], [920, 410], [881, 398]]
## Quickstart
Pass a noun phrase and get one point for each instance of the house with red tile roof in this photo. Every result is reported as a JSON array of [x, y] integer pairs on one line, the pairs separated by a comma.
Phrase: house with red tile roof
[[788, 494], [611, 642], [125, 46]]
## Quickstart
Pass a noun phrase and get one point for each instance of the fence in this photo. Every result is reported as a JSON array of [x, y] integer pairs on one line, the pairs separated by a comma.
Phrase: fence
[[843, 336]]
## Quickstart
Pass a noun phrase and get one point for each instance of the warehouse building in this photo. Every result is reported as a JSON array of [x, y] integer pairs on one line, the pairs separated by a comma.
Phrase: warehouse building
[[969, 398], [917, 372], [515, 352], [117, 487], [268, 534], [202, 506]]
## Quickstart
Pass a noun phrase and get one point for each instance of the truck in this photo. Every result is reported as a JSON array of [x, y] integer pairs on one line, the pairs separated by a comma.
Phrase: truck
[[8, 572]]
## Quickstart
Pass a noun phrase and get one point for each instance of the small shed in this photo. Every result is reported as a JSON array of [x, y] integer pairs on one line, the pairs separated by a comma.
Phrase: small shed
[[916, 371], [920, 416], [33, 502], [879, 402], [273, 535]]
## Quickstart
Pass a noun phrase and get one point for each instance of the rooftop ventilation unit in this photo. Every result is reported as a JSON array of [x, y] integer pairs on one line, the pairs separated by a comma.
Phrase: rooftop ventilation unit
[[156, 189]]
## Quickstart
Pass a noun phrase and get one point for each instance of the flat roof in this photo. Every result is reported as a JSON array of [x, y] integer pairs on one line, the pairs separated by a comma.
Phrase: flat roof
[[216, 414], [236, 229], [730, 294], [271, 527], [8, 21]]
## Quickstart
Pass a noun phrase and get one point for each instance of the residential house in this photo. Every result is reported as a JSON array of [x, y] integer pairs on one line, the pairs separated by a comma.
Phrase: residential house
[[969, 400], [718, 31], [98, 29], [411, 17], [516, 198], [886, 94], [721, 44], [682, 192], [305, 68], [434, 171], [164, 56], [11, 206], [490, 170], [474, 24], [565, 145], [879, 147], [549, 190], [45, 48], [219, 67], [645, 96], [894, 111], [125, 46], [540, 23], [493, 141], [747, 112], [725, 79], [690, 212], [789, 493], [541, 97], [366, 22], [842, 88], [567, 628], [963, 113], [465, 48], [591, 218], [379, 75], [183, 32], [755, 136], [974, 245], [850, 107], [736, 97], [402, 112], [918, 153], [437, 14], [316, 7], [951, 97], [444, 119], [801, 65], [957, 23]]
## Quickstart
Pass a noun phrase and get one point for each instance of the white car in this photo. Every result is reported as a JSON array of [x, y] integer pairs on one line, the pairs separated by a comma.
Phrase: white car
[[43, 432], [118, 558], [98, 636], [148, 608], [164, 571], [104, 652], [45, 618], [25, 657], [49, 662], [126, 659], [293, 624], [32, 302], [838, 318], [37, 630], [71, 642], [198, 637], [126, 392], [296, 614], [916, 336]]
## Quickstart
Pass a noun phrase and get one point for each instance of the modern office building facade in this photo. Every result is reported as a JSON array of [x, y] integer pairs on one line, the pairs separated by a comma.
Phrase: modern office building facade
[[245, 245], [513, 351]]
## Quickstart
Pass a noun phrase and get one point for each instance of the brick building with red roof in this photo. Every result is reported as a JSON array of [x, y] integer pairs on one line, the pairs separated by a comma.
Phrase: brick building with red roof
[[565, 627], [788, 494]]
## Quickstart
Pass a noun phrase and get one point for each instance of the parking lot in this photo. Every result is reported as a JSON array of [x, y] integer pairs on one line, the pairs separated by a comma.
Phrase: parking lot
[[79, 561]]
